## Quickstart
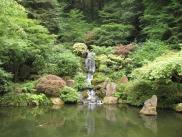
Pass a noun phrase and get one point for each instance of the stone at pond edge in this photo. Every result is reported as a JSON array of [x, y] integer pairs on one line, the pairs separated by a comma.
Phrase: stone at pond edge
[[178, 107], [57, 101], [50, 85], [110, 100], [150, 106]]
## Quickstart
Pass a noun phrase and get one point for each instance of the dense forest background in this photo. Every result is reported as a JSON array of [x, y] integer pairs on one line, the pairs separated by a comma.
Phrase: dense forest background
[[137, 39], [134, 20]]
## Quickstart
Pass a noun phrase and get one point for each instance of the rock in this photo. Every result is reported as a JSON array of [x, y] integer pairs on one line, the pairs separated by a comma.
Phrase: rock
[[178, 107], [124, 79], [110, 88], [70, 82], [150, 106], [50, 85], [57, 101], [110, 100]]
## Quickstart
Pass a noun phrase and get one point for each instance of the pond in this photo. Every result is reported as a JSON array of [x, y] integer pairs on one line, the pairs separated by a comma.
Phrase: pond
[[87, 121]]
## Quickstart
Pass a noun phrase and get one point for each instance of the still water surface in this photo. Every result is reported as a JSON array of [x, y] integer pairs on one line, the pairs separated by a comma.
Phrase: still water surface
[[82, 121]]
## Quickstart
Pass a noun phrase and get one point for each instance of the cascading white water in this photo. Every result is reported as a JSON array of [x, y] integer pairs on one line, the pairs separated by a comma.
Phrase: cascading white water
[[90, 66]]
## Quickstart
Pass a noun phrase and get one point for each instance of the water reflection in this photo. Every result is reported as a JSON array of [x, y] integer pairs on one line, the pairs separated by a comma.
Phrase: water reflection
[[86, 121], [150, 122], [110, 113]]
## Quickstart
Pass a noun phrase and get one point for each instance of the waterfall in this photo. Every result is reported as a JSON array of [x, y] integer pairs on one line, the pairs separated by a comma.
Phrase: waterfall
[[90, 67]]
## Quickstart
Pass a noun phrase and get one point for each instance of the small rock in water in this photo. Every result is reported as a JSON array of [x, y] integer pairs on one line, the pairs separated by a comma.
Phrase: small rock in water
[[150, 106], [178, 107]]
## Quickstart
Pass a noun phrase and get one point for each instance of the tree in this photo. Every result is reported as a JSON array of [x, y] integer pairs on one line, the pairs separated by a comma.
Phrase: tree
[[162, 20], [47, 11], [24, 43]]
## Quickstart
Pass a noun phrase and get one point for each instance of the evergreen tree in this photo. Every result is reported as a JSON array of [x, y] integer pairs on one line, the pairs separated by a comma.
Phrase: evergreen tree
[[47, 11], [123, 12], [162, 20]]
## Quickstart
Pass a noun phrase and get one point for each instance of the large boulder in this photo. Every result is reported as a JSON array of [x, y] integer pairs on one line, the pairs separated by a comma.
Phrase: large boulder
[[108, 88], [150, 106], [110, 100], [50, 85], [178, 107]]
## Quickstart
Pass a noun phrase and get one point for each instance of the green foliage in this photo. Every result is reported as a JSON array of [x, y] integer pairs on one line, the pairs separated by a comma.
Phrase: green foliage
[[162, 20], [80, 81], [24, 99], [80, 48], [73, 27], [26, 87], [46, 11], [111, 34], [62, 62], [69, 95], [4, 81], [167, 67], [148, 51], [137, 92], [68, 64], [102, 50], [24, 43]]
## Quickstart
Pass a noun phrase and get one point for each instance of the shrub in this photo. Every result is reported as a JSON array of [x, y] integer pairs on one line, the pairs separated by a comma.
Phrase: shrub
[[26, 87], [80, 81], [111, 34], [79, 48], [68, 64], [69, 95], [148, 51], [138, 91], [167, 67], [124, 50], [62, 63], [102, 50], [4, 80], [24, 99], [50, 85]]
